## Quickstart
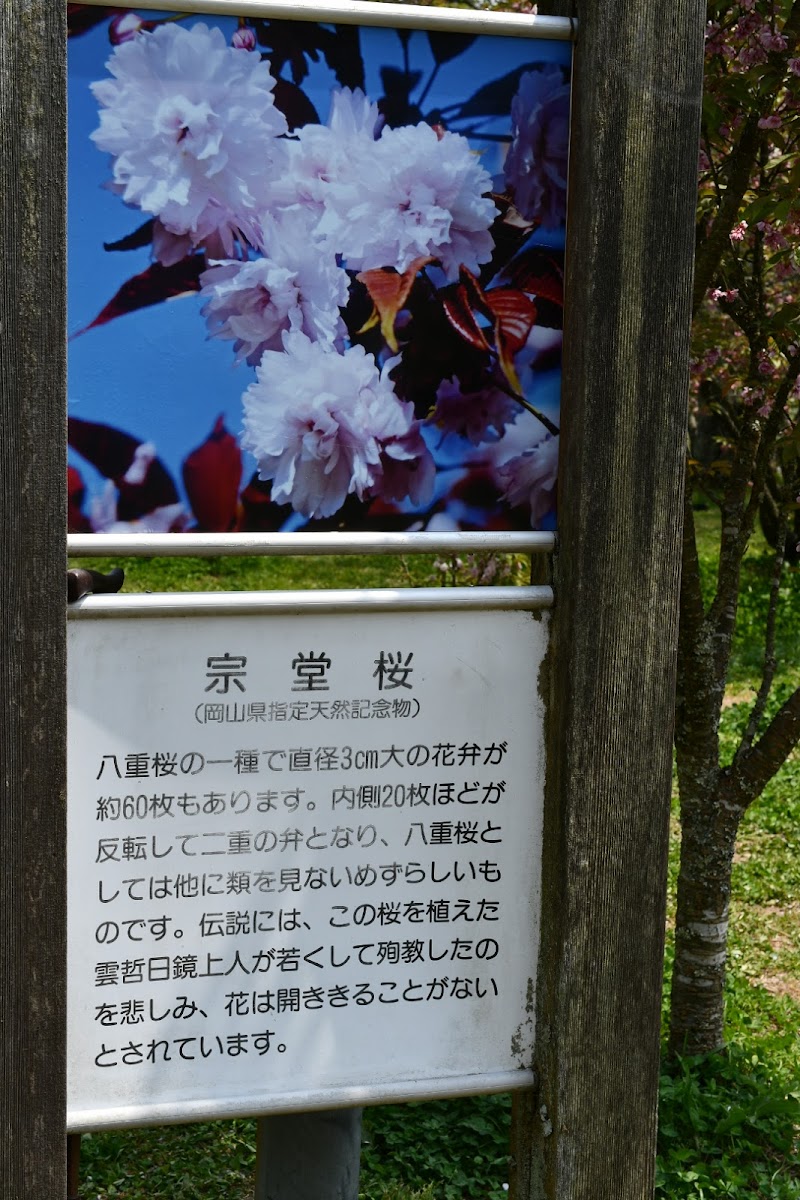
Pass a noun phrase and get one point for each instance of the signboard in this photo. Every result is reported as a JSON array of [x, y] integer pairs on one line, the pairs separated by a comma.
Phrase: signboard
[[315, 268], [304, 857]]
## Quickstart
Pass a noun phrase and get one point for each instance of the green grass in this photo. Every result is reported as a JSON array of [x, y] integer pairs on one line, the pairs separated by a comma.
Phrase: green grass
[[729, 1125], [181, 1162], [457, 1148], [246, 574]]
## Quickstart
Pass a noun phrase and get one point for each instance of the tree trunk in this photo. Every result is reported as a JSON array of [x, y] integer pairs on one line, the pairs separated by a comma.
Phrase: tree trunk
[[709, 824]]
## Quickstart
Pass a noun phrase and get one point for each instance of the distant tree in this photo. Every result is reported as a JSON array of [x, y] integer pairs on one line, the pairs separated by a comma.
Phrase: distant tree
[[744, 400]]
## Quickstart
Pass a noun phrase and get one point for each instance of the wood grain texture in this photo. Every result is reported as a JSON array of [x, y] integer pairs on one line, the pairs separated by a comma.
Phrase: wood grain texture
[[588, 1131], [32, 601]]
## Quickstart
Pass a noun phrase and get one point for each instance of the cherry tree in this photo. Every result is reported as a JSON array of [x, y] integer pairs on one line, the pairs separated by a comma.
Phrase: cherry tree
[[745, 382]]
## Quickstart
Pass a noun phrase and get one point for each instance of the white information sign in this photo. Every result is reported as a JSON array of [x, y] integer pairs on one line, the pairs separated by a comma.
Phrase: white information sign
[[304, 857]]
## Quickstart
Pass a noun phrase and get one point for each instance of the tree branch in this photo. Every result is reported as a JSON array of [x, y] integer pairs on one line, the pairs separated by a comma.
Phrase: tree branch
[[770, 435], [699, 689], [743, 781], [733, 539], [770, 661], [751, 466], [714, 245]]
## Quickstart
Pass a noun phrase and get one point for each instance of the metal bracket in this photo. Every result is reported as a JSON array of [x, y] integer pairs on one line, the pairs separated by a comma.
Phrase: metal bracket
[[82, 582]]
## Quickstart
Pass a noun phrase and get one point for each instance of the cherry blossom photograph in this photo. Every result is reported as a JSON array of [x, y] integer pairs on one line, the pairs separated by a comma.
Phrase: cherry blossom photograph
[[315, 274]]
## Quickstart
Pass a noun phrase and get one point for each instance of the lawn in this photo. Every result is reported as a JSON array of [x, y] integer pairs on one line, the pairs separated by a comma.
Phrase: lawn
[[729, 1126]]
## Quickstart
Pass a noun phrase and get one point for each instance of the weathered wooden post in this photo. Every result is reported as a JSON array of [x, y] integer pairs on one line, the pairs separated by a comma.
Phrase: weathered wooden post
[[32, 643], [587, 1132]]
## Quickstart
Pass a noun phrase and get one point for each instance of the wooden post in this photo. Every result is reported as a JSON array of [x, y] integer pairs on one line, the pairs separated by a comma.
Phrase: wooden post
[[32, 601], [73, 1166], [588, 1130]]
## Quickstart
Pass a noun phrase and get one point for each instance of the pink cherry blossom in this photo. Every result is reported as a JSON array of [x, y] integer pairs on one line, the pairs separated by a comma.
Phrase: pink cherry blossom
[[244, 38], [296, 285], [773, 238], [530, 479], [408, 470], [169, 518], [536, 167], [322, 425], [125, 26], [772, 41], [478, 416], [320, 156], [751, 56], [192, 127], [412, 193]]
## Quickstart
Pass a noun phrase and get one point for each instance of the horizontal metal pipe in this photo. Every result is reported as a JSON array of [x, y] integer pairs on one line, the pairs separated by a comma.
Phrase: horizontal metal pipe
[[193, 604], [396, 16], [204, 545], [176, 1112]]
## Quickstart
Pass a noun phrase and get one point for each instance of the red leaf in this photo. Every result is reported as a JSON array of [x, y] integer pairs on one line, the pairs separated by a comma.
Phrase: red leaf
[[436, 351], [389, 292], [112, 452], [515, 316], [156, 490], [77, 522], [83, 17], [259, 512], [143, 236], [511, 312], [152, 286], [459, 312], [211, 475], [473, 285], [109, 450], [538, 273]]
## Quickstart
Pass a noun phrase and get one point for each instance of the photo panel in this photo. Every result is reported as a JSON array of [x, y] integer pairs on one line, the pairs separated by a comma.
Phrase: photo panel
[[315, 274]]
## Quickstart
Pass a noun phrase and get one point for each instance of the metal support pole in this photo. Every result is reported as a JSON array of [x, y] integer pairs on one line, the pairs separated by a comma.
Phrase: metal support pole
[[309, 1156]]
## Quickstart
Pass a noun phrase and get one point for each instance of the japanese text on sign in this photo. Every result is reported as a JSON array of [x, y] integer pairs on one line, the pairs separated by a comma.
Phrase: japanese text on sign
[[300, 857]]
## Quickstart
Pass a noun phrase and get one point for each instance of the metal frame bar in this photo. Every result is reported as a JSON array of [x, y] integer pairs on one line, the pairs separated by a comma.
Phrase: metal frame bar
[[362, 12], [231, 604], [186, 1112], [148, 545]]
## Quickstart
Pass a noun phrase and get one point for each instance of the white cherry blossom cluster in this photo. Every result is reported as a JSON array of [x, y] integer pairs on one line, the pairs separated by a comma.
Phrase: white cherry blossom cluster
[[297, 284], [323, 425], [193, 130]]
